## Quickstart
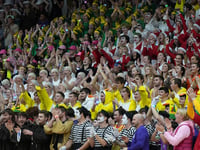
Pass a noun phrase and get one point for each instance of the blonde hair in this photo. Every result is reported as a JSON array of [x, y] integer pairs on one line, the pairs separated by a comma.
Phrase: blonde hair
[[183, 112]]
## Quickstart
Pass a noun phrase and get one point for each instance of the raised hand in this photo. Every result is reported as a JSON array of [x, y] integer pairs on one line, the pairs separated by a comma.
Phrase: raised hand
[[191, 94], [9, 125]]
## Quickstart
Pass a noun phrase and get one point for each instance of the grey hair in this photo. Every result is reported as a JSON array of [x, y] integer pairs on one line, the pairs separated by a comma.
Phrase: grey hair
[[45, 71], [32, 74]]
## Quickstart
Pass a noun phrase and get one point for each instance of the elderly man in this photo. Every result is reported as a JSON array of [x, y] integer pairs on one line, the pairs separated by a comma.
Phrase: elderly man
[[140, 140]]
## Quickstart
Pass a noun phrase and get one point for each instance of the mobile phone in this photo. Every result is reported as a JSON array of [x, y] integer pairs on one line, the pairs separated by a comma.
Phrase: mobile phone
[[97, 101]]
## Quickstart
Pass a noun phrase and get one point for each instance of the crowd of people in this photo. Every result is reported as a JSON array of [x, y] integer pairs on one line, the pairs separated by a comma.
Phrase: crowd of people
[[102, 75]]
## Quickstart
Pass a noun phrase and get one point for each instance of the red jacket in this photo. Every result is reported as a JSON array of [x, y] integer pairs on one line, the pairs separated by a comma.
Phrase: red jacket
[[186, 144]]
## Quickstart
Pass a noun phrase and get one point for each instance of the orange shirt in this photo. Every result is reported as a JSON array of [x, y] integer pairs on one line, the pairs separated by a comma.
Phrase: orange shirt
[[119, 127]]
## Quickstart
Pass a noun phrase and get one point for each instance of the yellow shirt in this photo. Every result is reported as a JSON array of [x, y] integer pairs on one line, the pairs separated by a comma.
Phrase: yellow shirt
[[109, 96], [180, 6], [76, 105], [129, 105], [117, 95], [161, 106], [107, 107], [145, 101], [177, 97], [44, 98], [59, 128]]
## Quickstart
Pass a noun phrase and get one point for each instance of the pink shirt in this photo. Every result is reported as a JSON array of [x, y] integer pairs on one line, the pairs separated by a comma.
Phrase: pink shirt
[[182, 133]]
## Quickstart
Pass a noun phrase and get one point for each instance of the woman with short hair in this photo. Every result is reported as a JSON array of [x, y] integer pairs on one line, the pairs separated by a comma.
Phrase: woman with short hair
[[181, 137]]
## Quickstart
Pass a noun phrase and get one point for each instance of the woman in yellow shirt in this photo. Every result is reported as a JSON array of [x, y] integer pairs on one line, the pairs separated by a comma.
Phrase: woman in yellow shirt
[[101, 105], [127, 103]]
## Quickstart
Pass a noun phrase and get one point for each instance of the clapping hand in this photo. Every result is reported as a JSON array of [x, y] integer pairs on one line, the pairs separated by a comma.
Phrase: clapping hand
[[191, 94]]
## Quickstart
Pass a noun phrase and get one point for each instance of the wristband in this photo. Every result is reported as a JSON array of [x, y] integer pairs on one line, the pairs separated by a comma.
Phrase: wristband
[[159, 132]]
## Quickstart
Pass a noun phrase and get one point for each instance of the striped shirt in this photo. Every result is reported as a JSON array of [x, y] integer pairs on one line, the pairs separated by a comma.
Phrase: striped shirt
[[79, 132], [103, 132], [127, 133], [150, 129]]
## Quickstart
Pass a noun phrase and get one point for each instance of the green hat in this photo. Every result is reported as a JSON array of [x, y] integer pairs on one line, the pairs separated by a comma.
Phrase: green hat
[[141, 22], [126, 24]]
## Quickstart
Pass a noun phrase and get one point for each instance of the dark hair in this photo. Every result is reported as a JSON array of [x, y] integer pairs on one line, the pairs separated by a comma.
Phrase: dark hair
[[89, 37], [140, 76], [7, 110], [130, 114], [130, 74], [126, 37], [145, 109], [120, 80], [22, 114], [83, 3], [163, 55], [121, 111], [90, 60], [183, 71], [189, 6], [50, 114], [138, 34], [197, 58], [196, 64], [10, 112], [160, 77], [177, 81], [105, 113], [149, 58], [61, 93], [32, 112], [112, 39], [63, 109], [164, 88], [164, 114], [70, 112], [75, 94], [182, 56], [46, 113], [136, 57], [111, 115], [183, 95], [128, 91], [174, 124], [84, 111], [86, 90]]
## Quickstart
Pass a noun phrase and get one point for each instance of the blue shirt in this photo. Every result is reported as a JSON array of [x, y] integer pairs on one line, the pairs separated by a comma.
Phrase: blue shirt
[[140, 140]]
